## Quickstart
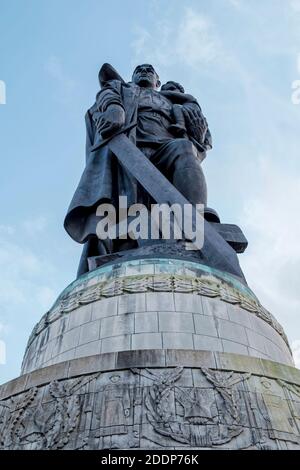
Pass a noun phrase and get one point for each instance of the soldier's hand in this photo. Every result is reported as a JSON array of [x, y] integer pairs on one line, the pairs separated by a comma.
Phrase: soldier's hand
[[195, 122], [111, 120]]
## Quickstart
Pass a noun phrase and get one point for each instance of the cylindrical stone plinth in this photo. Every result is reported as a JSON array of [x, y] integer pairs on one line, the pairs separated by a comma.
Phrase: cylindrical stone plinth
[[155, 304], [155, 353]]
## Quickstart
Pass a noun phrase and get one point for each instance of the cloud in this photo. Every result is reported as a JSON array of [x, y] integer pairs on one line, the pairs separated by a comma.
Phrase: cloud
[[192, 41], [295, 5], [21, 272], [142, 36], [32, 273], [197, 42], [271, 223], [235, 3]]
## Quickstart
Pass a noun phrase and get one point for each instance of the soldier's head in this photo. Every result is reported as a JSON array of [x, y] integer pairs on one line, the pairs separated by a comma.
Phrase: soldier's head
[[145, 76], [172, 86]]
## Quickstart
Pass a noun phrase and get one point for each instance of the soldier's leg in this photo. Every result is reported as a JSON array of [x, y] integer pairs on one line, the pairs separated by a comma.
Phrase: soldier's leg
[[178, 161]]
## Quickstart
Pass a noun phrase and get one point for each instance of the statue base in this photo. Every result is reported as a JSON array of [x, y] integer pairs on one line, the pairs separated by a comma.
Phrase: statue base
[[154, 399], [154, 354]]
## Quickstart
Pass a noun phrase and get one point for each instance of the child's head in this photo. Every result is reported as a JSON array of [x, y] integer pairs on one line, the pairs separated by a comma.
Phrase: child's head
[[172, 86]]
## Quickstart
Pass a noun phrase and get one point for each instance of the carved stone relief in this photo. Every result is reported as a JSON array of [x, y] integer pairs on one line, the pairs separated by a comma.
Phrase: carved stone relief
[[154, 408]]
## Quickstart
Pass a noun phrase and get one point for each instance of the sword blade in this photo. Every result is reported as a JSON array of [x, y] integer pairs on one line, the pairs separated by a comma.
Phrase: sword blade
[[215, 249]]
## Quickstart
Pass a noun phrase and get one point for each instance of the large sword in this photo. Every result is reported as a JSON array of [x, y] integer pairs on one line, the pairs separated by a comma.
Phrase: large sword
[[215, 250]]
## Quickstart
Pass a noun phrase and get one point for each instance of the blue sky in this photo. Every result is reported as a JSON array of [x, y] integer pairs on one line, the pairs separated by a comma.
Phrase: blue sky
[[238, 57]]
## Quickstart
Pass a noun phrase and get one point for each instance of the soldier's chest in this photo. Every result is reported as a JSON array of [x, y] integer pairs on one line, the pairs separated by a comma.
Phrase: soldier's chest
[[153, 99]]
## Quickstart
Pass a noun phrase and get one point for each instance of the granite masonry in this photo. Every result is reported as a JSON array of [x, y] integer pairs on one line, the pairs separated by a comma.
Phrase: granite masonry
[[154, 354]]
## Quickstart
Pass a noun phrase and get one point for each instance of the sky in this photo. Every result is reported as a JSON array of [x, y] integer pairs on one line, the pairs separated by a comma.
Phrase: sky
[[240, 58]]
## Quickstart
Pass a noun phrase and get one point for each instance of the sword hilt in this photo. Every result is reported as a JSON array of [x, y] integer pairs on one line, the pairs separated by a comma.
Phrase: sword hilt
[[105, 141]]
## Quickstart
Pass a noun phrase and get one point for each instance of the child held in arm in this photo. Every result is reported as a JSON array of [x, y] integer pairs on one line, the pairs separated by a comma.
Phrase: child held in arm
[[178, 128], [176, 93]]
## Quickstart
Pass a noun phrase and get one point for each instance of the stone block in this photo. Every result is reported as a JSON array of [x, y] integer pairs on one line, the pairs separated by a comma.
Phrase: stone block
[[279, 342], [70, 340], [48, 351], [79, 316], [59, 326], [188, 303], [147, 341], [175, 321], [255, 353], [160, 301], [239, 363], [47, 374], [89, 332], [146, 322], [282, 345], [275, 353], [184, 358], [118, 325], [238, 315], [116, 343], [178, 341], [256, 341], [205, 325], [13, 386], [43, 338], [89, 349], [91, 364], [282, 371], [262, 327], [29, 355], [207, 343], [56, 346], [236, 348], [141, 358], [104, 308], [131, 303], [66, 356], [232, 331], [215, 307]]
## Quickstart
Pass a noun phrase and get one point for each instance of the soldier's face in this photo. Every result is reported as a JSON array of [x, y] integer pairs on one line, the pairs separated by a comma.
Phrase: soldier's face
[[145, 76]]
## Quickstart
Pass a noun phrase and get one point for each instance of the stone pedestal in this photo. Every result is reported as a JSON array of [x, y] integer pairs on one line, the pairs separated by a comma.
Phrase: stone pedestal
[[154, 354]]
